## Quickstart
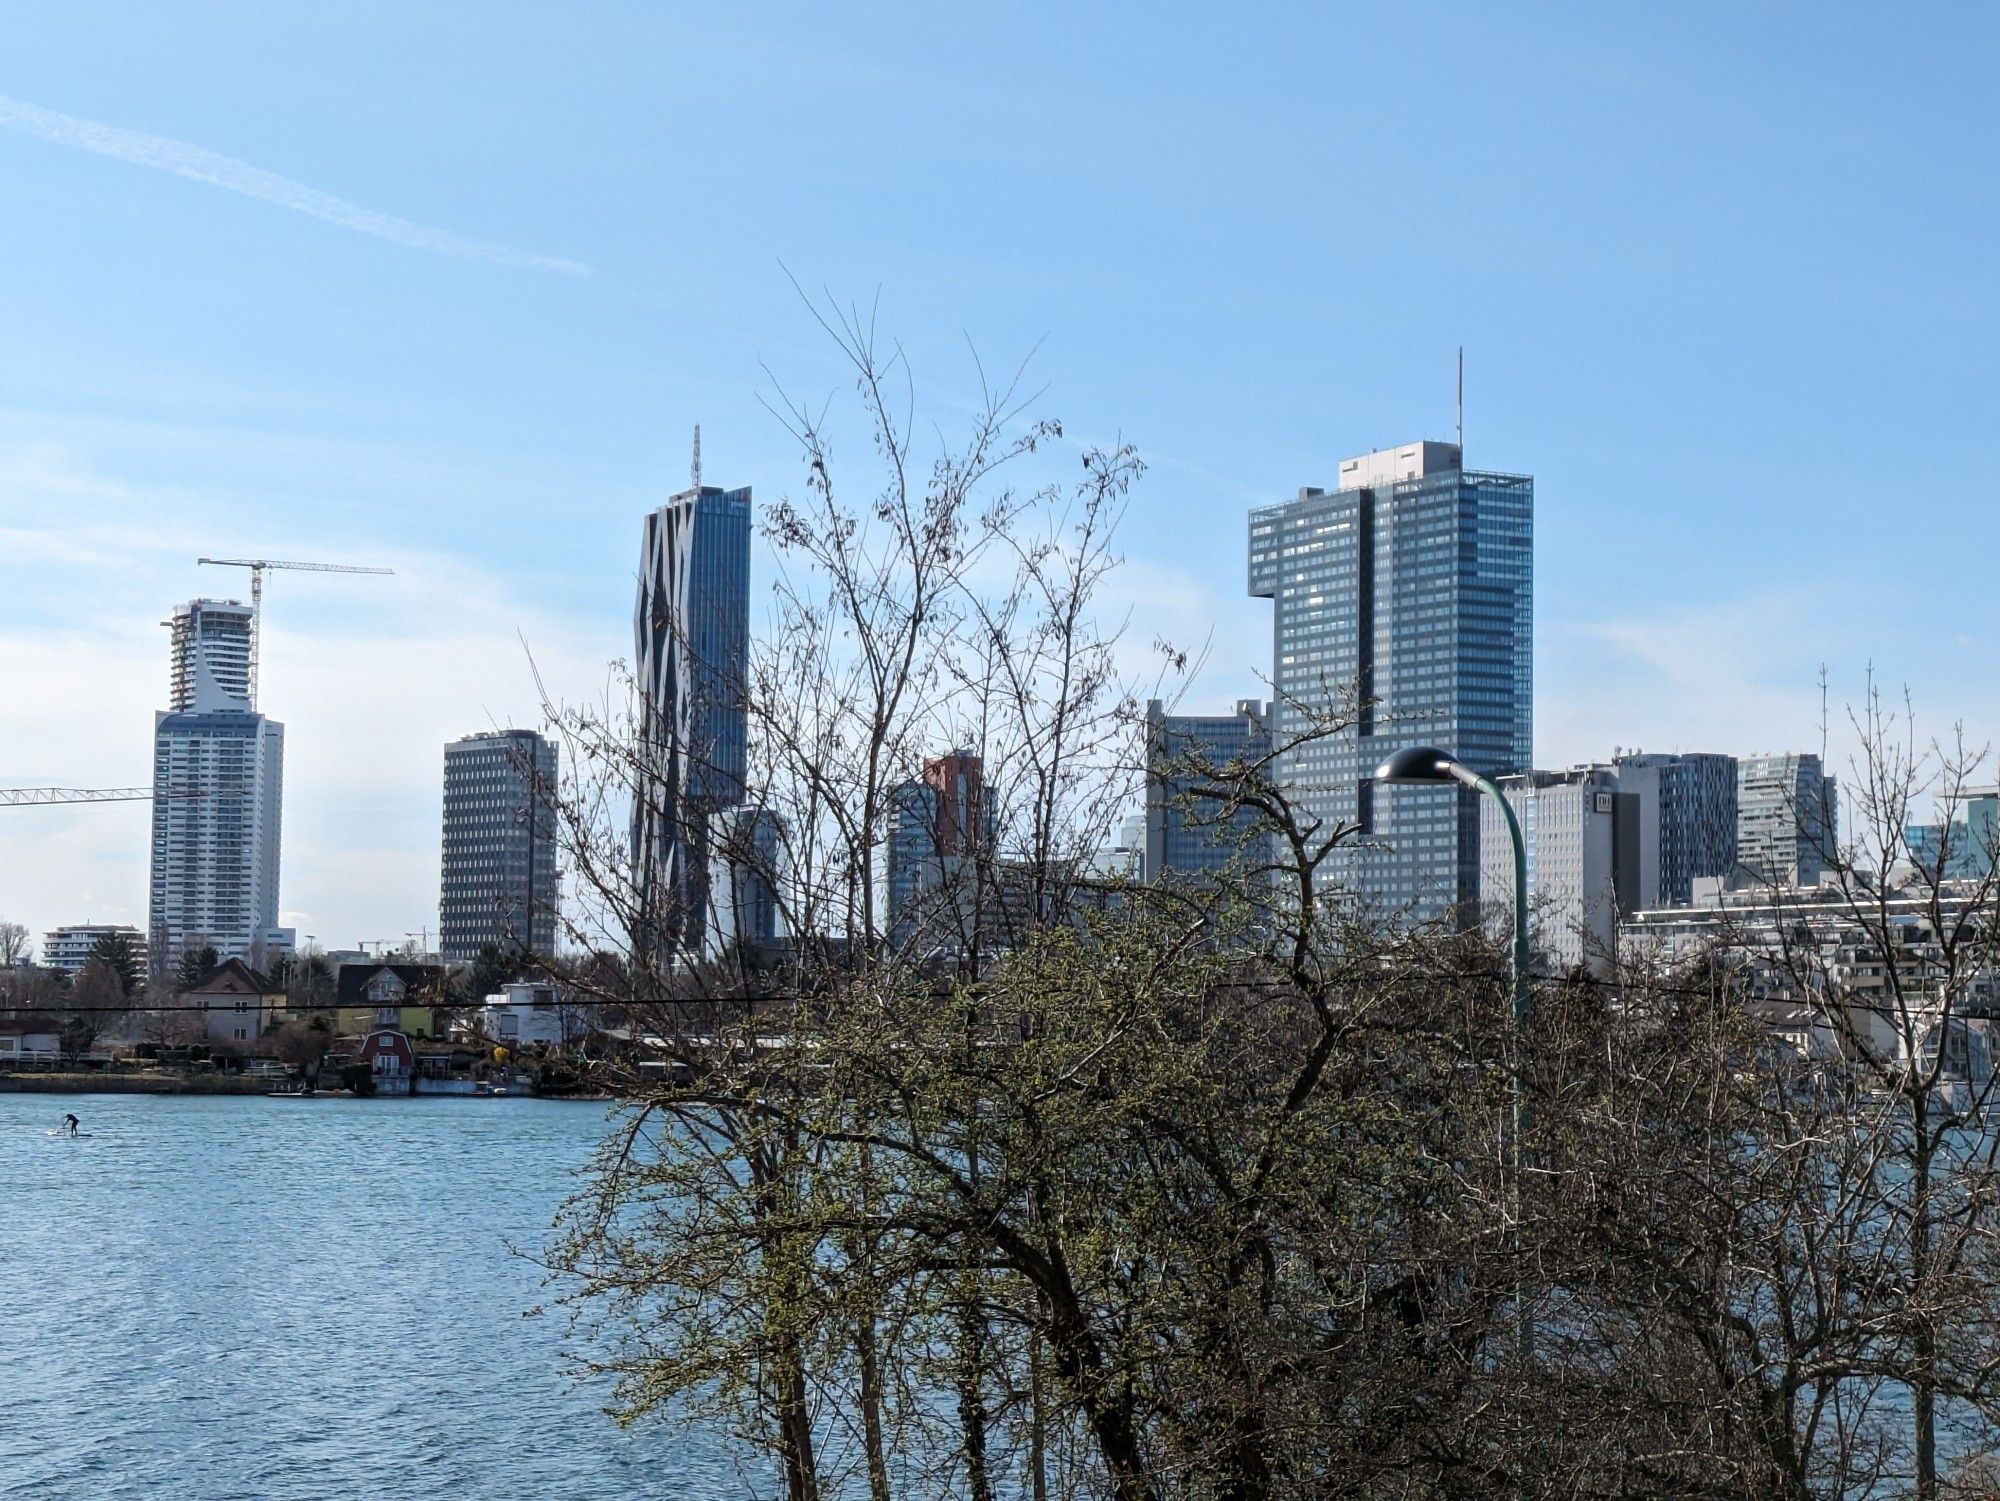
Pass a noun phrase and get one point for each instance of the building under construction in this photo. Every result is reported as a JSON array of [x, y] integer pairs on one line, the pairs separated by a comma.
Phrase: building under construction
[[215, 851]]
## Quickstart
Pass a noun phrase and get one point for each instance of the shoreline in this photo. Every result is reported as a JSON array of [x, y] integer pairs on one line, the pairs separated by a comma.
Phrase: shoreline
[[134, 1083], [185, 1084]]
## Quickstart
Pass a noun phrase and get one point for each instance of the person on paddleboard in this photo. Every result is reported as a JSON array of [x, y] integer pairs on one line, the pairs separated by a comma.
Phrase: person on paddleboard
[[72, 1122]]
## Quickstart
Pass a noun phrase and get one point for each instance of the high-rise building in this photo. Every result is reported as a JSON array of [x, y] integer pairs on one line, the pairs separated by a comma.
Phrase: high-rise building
[[210, 666], [1964, 847], [692, 640], [912, 847], [1403, 613], [218, 782], [746, 876], [937, 829], [1687, 821], [498, 882], [1188, 834], [1787, 819], [1583, 842]]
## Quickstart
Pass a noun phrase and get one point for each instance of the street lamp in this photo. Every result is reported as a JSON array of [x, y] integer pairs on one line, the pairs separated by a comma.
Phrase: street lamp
[[1427, 766]]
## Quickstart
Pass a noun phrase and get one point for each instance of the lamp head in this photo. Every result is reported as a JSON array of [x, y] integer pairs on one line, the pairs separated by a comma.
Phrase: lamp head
[[1418, 766]]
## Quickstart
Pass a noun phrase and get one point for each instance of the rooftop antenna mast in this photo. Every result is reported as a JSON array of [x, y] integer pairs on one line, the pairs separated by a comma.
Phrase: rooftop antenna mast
[[696, 471], [1461, 406]]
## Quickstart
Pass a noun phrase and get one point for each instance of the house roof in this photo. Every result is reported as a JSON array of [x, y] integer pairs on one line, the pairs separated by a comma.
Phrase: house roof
[[426, 979], [234, 977], [22, 1023]]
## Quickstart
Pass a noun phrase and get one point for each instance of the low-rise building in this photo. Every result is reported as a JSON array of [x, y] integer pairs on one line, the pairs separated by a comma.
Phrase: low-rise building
[[30, 1040], [236, 1004], [531, 1014], [1826, 980], [68, 948], [375, 995], [391, 1059]]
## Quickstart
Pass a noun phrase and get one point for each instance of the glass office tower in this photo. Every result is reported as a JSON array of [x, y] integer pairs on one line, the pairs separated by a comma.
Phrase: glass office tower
[[691, 634], [1187, 834], [1787, 818], [1403, 614]]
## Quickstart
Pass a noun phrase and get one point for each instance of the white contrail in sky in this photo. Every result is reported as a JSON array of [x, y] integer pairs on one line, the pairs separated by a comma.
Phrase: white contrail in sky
[[178, 157]]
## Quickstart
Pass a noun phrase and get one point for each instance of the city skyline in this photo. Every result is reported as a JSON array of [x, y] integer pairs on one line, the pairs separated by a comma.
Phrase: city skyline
[[1683, 356]]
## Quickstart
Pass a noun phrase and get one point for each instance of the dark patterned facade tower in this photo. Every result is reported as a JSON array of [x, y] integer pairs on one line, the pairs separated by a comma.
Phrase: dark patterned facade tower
[[691, 635], [497, 876]]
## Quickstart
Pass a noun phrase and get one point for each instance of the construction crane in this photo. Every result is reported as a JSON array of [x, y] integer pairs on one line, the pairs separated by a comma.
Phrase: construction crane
[[35, 797], [29, 797], [257, 567]]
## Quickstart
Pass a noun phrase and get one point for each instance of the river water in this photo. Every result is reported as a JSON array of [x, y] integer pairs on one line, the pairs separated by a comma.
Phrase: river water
[[220, 1297]]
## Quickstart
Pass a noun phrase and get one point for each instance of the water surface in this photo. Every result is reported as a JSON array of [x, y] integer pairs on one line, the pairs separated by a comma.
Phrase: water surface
[[220, 1297]]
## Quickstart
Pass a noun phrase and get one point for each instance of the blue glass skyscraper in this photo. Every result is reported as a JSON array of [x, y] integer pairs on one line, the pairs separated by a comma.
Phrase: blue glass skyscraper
[[691, 634], [1186, 834], [1403, 613]]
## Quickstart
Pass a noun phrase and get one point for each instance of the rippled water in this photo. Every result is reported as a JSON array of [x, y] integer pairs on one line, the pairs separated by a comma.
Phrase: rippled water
[[226, 1297]]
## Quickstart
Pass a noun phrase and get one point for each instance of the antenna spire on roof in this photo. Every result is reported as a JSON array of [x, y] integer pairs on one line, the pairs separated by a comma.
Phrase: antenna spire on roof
[[1461, 406], [697, 458]]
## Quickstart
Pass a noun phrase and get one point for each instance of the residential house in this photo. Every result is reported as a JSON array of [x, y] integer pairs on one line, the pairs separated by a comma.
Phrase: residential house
[[236, 1004], [391, 1058], [375, 995], [30, 1039], [528, 1014]]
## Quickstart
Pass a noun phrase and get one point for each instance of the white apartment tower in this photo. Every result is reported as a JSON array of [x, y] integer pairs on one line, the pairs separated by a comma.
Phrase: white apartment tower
[[218, 782]]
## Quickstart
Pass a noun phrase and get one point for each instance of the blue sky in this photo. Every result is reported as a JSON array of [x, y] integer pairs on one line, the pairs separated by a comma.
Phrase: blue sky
[[445, 287]]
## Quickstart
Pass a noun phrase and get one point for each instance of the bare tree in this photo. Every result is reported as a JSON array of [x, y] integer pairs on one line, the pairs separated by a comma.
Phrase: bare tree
[[15, 948]]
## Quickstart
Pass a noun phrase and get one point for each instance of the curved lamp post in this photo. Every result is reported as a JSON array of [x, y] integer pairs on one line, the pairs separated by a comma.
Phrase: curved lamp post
[[1427, 766]]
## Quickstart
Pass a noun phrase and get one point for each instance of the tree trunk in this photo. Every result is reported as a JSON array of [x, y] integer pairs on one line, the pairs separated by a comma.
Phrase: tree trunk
[[870, 1358], [795, 1443], [968, 1375], [1038, 1462], [1923, 1385]]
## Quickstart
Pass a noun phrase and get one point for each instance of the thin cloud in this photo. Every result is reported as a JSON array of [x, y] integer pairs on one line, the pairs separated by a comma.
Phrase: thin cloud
[[226, 172]]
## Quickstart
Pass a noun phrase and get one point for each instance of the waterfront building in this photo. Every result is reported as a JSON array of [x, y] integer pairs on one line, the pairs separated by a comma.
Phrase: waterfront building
[[1188, 834], [218, 782], [691, 632], [497, 881], [402, 997], [527, 1013], [1584, 845], [1403, 612], [68, 948], [1687, 821], [1788, 819]]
